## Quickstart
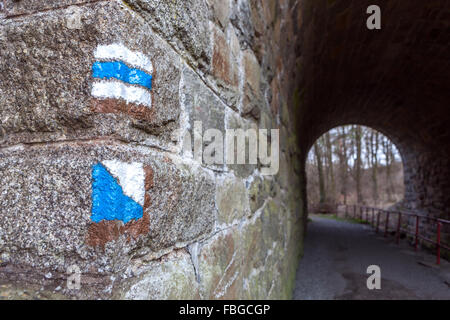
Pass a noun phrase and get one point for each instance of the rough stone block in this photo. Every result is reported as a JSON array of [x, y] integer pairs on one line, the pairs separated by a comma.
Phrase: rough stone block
[[222, 11], [225, 72], [259, 190], [235, 46], [232, 200], [252, 85], [47, 83], [171, 278], [23, 7], [224, 67], [201, 104], [234, 121], [263, 245], [245, 261], [219, 266], [47, 205], [242, 20], [270, 10], [184, 23]]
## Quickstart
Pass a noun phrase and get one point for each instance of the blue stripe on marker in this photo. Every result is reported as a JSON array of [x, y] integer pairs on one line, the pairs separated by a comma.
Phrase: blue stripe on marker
[[120, 71], [108, 200]]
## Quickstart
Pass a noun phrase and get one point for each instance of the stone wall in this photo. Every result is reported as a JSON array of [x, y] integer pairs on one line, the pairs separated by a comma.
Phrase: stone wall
[[192, 230], [206, 231]]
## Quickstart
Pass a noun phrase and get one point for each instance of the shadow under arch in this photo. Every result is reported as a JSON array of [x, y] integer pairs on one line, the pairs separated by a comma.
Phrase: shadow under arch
[[389, 80]]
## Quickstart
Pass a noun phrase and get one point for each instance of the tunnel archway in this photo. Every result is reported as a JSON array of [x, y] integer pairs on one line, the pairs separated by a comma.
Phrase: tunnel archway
[[353, 165], [394, 80]]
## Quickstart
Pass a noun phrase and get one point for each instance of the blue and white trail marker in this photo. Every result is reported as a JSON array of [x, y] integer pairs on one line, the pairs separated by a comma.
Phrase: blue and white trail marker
[[122, 74], [118, 191]]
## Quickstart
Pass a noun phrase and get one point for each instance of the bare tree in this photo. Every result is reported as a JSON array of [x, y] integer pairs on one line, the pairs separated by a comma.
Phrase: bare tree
[[390, 158], [358, 163], [343, 160], [330, 172], [372, 137], [347, 165], [317, 152]]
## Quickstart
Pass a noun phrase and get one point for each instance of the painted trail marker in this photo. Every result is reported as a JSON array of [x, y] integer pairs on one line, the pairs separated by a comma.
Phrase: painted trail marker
[[120, 201], [122, 83], [118, 191], [122, 74]]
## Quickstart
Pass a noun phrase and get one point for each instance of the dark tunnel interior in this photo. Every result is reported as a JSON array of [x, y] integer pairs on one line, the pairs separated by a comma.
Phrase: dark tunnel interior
[[394, 80]]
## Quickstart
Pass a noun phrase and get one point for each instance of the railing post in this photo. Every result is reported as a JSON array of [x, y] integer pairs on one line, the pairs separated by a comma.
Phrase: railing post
[[378, 220], [438, 244], [372, 210], [417, 233], [387, 224], [398, 227]]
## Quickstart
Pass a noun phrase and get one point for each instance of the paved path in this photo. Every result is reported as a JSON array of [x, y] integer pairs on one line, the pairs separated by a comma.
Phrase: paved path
[[338, 253]]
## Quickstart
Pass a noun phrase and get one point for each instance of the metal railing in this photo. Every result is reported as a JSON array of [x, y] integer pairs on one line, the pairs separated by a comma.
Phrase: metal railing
[[363, 212]]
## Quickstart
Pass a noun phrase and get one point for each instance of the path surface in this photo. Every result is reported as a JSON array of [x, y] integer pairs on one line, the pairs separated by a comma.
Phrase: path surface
[[337, 255]]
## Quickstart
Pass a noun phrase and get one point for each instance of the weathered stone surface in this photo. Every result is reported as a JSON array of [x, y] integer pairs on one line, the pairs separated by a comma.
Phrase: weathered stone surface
[[249, 261], [46, 55], [222, 10], [235, 46], [271, 254], [258, 19], [219, 266], [173, 277], [284, 173], [46, 207], [185, 24], [232, 200], [45, 82], [22, 7], [270, 10], [30, 292], [224, 66], [259, 190], [207, 231], [252, 88], [234, 121], [275, 103], [201, 105], [241, 19]]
